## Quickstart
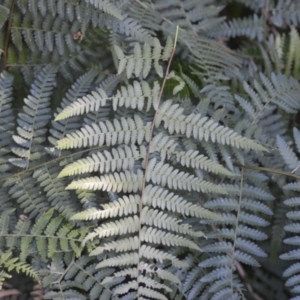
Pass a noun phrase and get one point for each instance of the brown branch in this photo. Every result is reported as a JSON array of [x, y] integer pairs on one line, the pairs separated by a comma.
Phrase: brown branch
[[275, 171]]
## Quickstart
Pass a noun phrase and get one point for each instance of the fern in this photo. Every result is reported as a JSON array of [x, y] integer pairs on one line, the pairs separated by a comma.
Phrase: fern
[[142, 144]]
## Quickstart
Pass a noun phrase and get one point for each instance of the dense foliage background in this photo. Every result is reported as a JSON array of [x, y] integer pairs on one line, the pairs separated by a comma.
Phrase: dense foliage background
[[149, 149]]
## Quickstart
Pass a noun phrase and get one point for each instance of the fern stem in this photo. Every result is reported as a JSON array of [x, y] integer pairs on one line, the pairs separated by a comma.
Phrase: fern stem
[[149, 145], [93, 277], [236, 229], [275, 171], [49, 162]]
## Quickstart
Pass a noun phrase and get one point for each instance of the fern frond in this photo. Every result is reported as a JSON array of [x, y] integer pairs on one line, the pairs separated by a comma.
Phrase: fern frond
[[130, 130], [34, 119], [157, 236], [3, 277], [107, 7], [139, 63], [127, 244], [152, 253], [116, 182], [190, 158], [165, 174], [119, 159], [13, 264], [252, 27], [120, 207], [126, 259], [4, 13], [287, 153], [123, 226], [159, 219], [6, 117], [201, 128], [131, 96], [162, 198], [286, 13], [280, 90]]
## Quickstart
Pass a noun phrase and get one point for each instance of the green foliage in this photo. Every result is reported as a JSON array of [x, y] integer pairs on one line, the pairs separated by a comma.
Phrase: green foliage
[[169, 168]]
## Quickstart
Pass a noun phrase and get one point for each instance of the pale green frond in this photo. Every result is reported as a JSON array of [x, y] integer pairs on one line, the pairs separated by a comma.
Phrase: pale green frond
[[159, 159], [123, 226], [218, 247], [252, 27], [294, 186], [162, 220], [119, 159], [133, 96], [91, 102], [12, 264], [130, 130], [250, 247], [216, 261], [162, 198], [287, 153], [106, 6], [152, 253], [279, 90], [116, 182], [256, 206], [34, 118], [223, 204], [4, 13], [248, 191], [139, 63], [3, 276], [292, 270], [253, 220], [4, 221], [192, 159], [166, 175], [126, 259], [161, 237], [161, 273], [122, 206], [120, 245], [292, 255], [285, 13], [124, 288], [201, 128], [6, 117], [151, 293], [297, 138], [292, 202], [154, 284], [41, 224], [132, 272]]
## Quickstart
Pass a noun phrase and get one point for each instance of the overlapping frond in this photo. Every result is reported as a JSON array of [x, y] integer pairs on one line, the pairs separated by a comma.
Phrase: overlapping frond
[[147, 183], [293, 215], [34, 119], [284, 12], [50, 234], [4, 13], [201, 128], [139, 63], [237, 242], [133, 96], [6, 118], [252, 27], [279, 90], [130, 130]]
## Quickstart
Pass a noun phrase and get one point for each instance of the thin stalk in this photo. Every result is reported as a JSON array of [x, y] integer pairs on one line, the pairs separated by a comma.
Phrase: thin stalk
[[149, 146]]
